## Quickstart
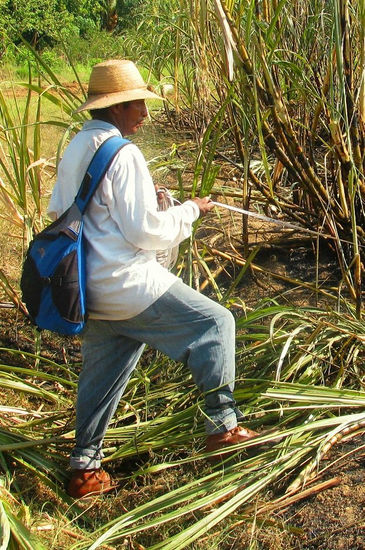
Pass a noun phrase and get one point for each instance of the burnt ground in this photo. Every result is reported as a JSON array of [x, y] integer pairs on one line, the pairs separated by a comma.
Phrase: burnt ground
[[332, 519]]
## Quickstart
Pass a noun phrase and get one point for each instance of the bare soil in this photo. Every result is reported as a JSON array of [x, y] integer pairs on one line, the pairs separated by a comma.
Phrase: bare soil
[[333, 519]]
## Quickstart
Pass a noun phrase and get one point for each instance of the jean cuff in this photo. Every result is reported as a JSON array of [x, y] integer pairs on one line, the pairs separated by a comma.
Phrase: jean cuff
[[85, 459], [222, 420], [239, 414]]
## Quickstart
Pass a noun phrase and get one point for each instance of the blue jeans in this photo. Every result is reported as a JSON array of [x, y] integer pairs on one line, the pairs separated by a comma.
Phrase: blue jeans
[[183, 324]]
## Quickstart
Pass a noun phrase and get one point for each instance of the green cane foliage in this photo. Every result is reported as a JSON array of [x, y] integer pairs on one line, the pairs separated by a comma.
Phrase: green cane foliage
[[69, 99], [18, 165], [4, 528], [22, 168], [26, 380], [300, 413], [237, 485], [308, 344], [247, 478], [13, 532], [206, 169], [45, 362]]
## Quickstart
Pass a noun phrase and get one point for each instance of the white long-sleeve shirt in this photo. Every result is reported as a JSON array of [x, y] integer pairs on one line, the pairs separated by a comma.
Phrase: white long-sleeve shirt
[[122, 226]]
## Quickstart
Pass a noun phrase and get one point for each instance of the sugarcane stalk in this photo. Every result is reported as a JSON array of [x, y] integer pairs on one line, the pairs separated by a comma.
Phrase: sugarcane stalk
[[324, 92], [266, 10], [342, 194], [297, 159], [296, 154], [241, 49]]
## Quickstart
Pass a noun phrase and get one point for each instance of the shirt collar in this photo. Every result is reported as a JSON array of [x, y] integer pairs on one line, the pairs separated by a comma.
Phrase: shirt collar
[[95, 124]]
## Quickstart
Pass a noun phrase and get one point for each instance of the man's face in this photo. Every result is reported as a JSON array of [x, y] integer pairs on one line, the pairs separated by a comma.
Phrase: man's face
[[129, 117]]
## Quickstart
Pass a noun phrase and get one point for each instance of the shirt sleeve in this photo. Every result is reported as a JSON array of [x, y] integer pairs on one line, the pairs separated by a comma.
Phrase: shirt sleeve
[[133, 205]]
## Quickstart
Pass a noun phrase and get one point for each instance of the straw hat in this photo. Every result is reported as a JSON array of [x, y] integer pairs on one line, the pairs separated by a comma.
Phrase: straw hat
[[115, 81]]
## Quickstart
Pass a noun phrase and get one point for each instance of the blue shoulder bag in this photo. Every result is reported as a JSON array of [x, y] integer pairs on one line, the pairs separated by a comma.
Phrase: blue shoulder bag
[[53, 280]]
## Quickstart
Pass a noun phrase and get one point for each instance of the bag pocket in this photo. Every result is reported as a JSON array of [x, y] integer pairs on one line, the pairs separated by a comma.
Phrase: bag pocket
[[31, 285], [66, 288]]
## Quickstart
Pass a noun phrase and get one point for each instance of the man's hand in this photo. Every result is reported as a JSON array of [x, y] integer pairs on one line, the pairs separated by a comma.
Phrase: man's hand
[[205, 204]]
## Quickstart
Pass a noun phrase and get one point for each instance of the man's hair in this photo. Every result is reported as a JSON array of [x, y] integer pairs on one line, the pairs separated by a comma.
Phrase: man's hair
[[101, 113]]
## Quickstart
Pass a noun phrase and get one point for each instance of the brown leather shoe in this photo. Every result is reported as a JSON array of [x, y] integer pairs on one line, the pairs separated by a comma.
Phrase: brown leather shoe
[[89, 482], [226, 439]]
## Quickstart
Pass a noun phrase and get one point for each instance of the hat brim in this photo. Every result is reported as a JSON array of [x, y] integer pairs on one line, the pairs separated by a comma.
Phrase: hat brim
[[107, 100]]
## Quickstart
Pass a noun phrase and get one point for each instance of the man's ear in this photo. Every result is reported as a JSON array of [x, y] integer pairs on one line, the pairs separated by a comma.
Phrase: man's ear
[[117, 108]]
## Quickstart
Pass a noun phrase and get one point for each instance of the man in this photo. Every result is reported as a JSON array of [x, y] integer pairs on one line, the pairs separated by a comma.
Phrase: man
[[132, 299]]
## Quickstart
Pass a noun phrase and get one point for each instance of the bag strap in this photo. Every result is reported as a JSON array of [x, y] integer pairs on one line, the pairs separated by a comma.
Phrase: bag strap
[[97, 168]]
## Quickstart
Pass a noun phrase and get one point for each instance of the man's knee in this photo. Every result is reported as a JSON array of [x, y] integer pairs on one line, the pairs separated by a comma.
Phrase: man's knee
[[225, 318]]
